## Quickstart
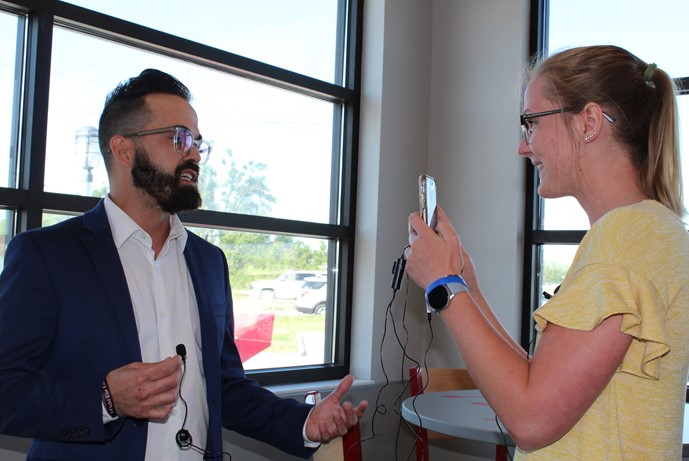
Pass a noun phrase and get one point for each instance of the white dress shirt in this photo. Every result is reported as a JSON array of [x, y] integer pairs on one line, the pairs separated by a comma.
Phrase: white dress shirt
[[166, 315]]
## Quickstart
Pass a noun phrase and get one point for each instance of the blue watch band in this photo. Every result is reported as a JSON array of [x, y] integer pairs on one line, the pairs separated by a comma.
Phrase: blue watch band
[[445, 280], [440, 293]]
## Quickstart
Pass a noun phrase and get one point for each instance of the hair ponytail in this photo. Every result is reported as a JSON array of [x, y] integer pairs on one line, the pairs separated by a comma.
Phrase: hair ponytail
[[661, 174]]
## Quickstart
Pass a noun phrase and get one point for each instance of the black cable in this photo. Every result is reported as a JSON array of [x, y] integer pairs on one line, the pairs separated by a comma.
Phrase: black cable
[[504, 437], [423, 369], [405, 385], [399, 266], [179, 392], [379, 407], [183, 437]]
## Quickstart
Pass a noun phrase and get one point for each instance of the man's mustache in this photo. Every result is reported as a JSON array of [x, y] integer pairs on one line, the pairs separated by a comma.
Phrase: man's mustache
[[188, 165]]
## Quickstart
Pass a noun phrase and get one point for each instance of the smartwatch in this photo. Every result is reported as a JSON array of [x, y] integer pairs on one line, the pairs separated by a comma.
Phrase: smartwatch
[[440, 293]]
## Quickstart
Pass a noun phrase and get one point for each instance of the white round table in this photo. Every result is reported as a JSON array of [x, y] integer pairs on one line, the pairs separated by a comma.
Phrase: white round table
[[463, 414]]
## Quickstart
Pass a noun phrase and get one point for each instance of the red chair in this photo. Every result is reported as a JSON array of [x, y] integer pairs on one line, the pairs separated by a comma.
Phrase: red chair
[[345, 448], [438, 380], [253, 333]]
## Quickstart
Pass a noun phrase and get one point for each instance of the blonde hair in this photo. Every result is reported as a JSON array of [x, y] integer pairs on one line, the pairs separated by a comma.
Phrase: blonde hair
[[641, 97]]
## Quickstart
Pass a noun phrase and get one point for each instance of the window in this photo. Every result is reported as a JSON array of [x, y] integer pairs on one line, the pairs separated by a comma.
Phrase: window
[[275, 86], [556, 226], [11, 31], [298, 35]]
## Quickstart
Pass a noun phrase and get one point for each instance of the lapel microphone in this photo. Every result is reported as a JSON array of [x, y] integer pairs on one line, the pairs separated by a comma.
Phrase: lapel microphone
[[182, 352], [183, 436]]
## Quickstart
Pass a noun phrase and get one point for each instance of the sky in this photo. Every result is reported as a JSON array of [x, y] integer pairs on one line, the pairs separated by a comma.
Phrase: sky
[[290, 133], [656, 32]]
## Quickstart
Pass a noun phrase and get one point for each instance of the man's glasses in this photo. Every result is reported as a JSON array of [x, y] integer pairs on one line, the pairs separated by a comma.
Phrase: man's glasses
[[182, 141], [527, 126]]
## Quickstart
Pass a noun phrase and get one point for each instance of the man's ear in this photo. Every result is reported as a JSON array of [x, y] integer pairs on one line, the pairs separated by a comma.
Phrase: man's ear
[[122, 150]]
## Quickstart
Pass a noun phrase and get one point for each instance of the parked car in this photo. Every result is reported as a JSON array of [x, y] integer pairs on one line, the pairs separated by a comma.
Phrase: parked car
[[285, 286], [312, 298]]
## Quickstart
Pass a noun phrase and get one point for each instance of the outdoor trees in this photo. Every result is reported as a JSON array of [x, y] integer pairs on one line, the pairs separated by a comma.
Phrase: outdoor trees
[[252, 255]]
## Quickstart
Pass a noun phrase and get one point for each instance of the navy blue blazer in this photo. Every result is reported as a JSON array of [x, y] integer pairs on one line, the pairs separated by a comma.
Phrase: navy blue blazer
[[66, 320]]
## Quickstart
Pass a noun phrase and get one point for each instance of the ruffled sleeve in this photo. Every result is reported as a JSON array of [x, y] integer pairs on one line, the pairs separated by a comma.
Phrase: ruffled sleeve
[[598, 291]]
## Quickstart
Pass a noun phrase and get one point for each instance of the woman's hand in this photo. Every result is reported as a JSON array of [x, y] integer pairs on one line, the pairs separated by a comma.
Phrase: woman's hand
[[433, 254]]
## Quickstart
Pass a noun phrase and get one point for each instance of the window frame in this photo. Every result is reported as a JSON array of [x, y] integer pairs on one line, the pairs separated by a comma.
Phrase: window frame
[[29, 200], [534, 236]]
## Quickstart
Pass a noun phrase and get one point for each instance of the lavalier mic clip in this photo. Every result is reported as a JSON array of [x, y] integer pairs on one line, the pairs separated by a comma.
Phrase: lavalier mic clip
[[183, 438]]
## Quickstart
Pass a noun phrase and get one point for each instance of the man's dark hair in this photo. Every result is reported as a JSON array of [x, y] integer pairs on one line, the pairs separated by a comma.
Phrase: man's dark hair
[[125, 108]]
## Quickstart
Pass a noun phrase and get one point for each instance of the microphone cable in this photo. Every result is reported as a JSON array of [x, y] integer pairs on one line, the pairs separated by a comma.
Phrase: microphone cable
[[183, 437]]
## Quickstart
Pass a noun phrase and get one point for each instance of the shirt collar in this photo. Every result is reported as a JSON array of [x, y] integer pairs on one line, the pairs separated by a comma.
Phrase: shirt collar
[[123, 226]]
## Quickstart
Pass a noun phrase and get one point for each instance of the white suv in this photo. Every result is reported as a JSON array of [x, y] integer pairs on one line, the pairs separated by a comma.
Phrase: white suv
[[313, 296], [285, 286]]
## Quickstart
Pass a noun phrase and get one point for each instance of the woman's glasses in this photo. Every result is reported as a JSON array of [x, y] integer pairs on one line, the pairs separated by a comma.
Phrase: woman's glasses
[[527, 126], [183, 141]]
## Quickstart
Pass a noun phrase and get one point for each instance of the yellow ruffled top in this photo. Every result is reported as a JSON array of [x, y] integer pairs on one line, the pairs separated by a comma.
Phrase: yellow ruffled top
[[634, 262]]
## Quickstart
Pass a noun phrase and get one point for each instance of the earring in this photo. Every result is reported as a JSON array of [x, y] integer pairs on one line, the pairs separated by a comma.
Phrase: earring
[[591, 136]]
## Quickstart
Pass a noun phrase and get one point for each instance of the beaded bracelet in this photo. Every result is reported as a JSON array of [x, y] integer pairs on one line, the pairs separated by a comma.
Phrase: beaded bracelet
[[107, 401]]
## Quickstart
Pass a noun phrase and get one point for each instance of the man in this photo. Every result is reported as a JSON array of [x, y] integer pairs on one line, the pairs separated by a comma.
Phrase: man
[[116, 328]]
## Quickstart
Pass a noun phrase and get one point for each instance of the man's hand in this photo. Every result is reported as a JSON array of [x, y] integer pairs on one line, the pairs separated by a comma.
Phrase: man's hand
[[329, 420], [145, 390]]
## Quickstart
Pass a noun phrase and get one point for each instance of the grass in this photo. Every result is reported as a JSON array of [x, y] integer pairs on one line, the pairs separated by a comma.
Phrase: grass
[[286, 327]]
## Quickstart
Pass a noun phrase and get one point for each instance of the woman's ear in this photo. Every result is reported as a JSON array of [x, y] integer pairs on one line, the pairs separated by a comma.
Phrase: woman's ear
[[592, 117]]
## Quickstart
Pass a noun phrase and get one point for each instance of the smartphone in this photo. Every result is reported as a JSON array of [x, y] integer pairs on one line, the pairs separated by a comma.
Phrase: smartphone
[[427, 200]]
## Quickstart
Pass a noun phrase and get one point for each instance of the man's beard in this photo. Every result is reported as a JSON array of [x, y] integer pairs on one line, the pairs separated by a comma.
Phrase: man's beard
[[164, 187]]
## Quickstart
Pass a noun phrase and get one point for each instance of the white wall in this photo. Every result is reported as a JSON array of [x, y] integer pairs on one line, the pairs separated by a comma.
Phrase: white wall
[[393, 151], [479, 51], [441, 95]]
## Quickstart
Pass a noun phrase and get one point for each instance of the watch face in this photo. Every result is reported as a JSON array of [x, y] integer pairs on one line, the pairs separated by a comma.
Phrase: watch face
[[437, 297]]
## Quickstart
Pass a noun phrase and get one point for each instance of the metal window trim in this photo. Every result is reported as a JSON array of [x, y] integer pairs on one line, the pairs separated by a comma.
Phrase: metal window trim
[[31, 201]]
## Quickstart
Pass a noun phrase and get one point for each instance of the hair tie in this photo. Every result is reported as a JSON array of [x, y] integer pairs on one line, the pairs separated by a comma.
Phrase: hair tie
[[648, 73]]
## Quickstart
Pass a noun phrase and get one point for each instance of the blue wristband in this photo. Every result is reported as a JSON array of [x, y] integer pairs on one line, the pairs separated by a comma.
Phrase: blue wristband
[[445, 280], [440, 293]]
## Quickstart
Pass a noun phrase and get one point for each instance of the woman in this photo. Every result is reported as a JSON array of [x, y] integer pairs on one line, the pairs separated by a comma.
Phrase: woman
[[608, 376]]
